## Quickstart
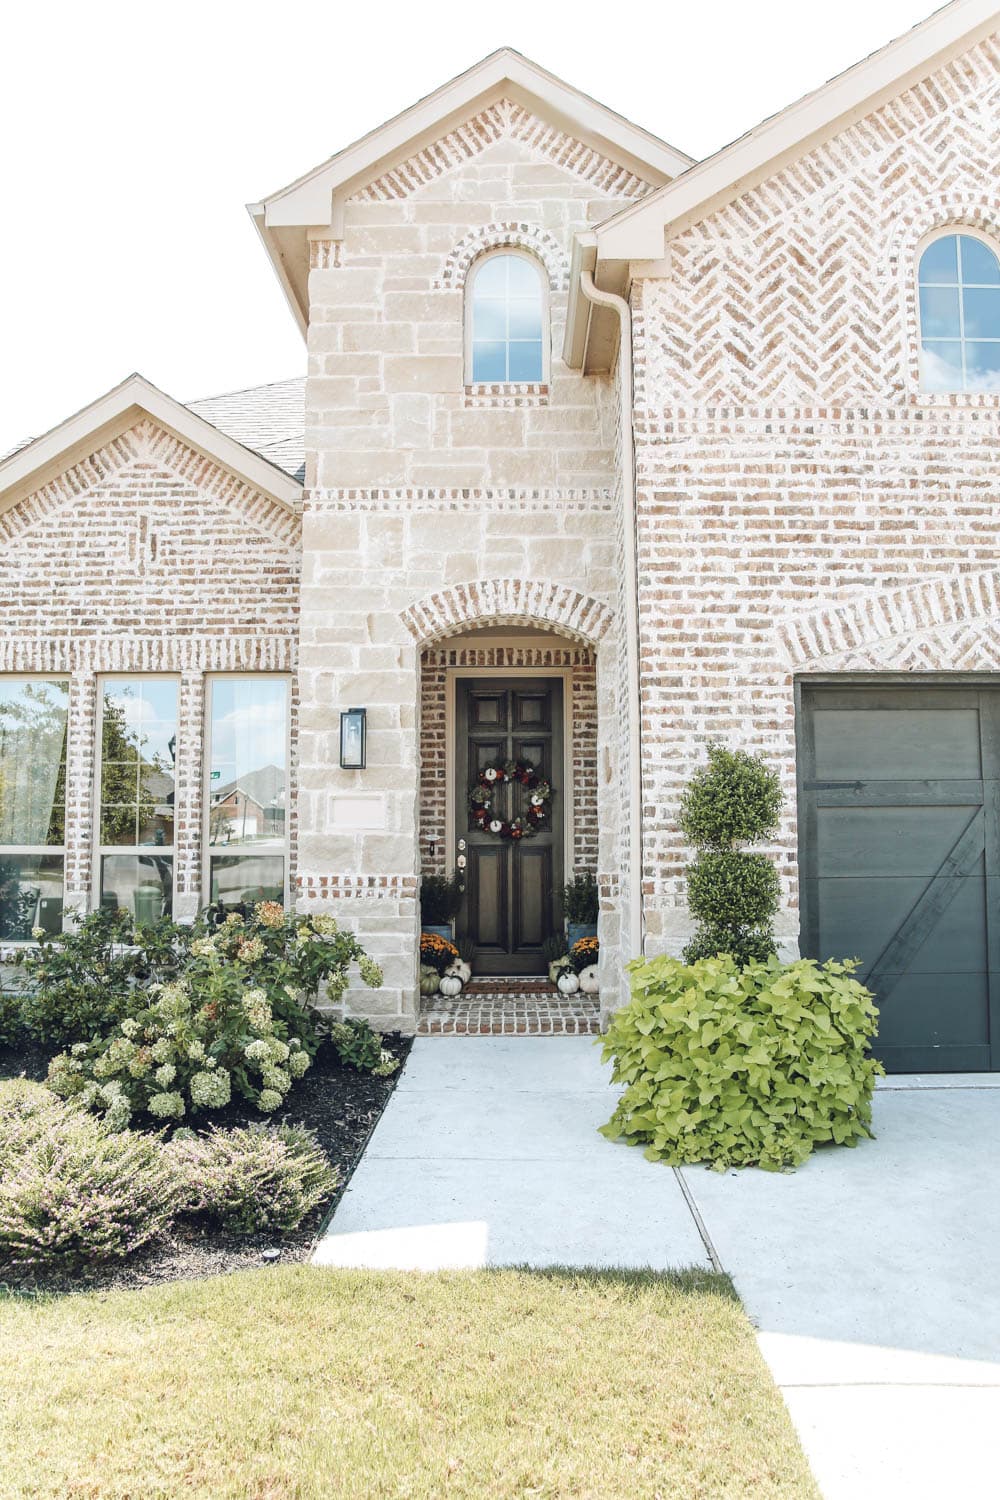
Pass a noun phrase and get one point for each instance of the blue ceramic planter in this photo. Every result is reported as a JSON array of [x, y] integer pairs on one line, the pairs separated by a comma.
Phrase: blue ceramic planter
[[577, 930], [441, 931]]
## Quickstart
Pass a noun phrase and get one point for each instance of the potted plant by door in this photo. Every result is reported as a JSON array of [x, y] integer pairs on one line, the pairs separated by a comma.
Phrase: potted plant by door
[[440, 899], [579, 906]]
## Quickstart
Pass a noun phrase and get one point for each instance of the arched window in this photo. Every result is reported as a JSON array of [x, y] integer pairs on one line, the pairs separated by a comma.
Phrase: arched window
[[506, 320], [959, 287]]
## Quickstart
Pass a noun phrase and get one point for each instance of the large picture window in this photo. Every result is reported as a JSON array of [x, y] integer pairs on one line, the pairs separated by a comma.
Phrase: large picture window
[[247, 768], [33, 718], [138, 747]]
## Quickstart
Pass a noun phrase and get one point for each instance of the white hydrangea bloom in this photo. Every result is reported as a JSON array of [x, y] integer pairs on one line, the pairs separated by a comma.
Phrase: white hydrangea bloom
[[210, 1090], [268, 1099], [166, 1106], [165, 1075]]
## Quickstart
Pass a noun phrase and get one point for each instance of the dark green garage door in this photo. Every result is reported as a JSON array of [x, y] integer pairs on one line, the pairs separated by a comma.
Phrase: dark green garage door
[[899, 848]]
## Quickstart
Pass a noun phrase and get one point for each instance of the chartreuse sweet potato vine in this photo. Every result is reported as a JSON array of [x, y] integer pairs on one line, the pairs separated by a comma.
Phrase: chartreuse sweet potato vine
[[742, 1067]]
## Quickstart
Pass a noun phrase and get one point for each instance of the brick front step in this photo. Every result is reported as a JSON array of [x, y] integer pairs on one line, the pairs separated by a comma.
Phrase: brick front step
[[501, 1010]]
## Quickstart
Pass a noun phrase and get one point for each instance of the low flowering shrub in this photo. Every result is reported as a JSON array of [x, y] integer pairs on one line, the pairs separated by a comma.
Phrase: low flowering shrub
[[437, 952], [239, 1019], [72, 1190], [256, 1178], [742, 1066], [359, 1046]]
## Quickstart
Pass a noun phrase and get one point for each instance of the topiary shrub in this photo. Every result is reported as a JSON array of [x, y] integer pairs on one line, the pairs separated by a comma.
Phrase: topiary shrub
[[251, 1179], [72, 1191], [735, 799], [751, 1066]]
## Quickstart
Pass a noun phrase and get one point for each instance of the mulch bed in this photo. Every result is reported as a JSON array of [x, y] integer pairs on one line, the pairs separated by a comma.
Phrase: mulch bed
[[340, 1104]]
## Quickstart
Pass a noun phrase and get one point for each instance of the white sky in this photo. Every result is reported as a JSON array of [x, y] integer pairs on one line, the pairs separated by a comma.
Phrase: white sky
[[134, 133]]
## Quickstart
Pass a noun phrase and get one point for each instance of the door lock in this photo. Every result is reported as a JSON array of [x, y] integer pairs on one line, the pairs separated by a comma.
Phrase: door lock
[[461, 861], [461, 844]]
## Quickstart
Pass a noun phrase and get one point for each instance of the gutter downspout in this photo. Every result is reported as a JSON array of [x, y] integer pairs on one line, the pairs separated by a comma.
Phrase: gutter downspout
[[631, 548]]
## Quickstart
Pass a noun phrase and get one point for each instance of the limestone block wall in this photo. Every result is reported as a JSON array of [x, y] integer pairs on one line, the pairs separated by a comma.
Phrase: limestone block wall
[[435, 505], [803, 507], [147, 558]]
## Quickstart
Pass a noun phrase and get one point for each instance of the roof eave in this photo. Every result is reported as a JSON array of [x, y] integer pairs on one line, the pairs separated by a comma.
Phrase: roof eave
[[43, 459], [639, 231]]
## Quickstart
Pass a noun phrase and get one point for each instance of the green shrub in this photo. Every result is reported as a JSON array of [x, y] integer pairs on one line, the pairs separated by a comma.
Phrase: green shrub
[[742, 1067], [440, 899], [251, 1179], [359, 1046], [732, 895], [578, 899], [71, 1190], [555, 947], [238, 1019], [73, 985]]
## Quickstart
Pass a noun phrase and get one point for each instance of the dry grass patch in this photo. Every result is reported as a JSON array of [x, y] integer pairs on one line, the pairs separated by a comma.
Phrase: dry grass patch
[[297, 1383]]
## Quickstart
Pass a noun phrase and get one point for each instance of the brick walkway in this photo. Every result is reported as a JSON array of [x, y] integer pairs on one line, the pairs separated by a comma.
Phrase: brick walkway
[[510, 1007]]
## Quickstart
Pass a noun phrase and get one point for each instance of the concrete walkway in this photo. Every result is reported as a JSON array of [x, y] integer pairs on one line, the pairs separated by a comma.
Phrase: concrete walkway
[[488, 1155], [871, 1275]]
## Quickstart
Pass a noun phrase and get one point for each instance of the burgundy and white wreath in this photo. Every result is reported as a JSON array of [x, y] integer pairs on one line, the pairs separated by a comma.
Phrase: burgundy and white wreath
[[485, 787]]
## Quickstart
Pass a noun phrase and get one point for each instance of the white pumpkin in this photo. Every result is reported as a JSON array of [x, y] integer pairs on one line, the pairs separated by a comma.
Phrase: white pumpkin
[[568, 982], [588, 980], [461, 968], [450, 985]]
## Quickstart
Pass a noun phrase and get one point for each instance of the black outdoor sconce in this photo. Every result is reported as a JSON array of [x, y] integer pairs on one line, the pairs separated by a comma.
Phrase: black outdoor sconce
[[353, 737]]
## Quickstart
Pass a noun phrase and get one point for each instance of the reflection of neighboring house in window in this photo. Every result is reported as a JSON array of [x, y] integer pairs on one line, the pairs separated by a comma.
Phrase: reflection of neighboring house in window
[[251, 807]]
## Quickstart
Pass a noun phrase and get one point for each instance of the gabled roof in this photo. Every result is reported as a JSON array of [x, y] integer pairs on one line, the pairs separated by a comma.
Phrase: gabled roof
[[268, 419], [317, 199], [638, 232], [36, 463]]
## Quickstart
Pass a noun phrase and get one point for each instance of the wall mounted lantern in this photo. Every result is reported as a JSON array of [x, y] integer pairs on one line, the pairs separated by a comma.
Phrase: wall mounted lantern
[[353, 737]]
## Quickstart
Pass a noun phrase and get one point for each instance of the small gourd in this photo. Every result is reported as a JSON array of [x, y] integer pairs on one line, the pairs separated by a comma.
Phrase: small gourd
[[568, 982], [451, 985], [588, 980]]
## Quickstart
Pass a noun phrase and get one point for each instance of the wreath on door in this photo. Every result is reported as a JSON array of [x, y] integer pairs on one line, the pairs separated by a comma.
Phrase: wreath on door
[[484, 789]]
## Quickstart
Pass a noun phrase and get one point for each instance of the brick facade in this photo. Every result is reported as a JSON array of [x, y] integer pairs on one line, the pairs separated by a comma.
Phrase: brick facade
[[803, 507]]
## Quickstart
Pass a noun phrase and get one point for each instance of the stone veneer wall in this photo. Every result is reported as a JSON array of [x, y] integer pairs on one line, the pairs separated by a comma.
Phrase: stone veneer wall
[[434, 505], [803, 507], [581, 728], [147, 558]]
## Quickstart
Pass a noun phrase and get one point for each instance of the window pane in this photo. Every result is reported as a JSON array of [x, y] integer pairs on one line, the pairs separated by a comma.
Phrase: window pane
[[939, 317], [138, 750], [978, 262], [526, 362], [490, 278], [31, 895], [525, 320], [489, 320], [247, 877], [524, 277], [489, 362], [941, 366], [33, 762], [939, 261], [981, 307], [140, 883], [247, 760], [982, 366]]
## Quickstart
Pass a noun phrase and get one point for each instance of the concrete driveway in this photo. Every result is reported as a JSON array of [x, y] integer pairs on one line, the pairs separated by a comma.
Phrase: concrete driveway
[[872, 1275]]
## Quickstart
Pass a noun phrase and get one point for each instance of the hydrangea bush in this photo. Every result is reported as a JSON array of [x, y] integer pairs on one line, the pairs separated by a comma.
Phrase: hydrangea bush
[[240, 1019]]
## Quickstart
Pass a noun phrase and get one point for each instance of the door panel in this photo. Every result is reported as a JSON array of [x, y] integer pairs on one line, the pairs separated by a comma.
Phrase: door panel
[[510, 900], [899, 836]]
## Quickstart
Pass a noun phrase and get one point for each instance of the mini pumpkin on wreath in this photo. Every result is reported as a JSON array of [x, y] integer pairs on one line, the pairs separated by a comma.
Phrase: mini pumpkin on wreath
[[485, 787]]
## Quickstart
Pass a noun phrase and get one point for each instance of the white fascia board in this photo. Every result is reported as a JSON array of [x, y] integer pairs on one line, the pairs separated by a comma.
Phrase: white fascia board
[[46, 457], [277, 258], [638, 232], [309, 200]]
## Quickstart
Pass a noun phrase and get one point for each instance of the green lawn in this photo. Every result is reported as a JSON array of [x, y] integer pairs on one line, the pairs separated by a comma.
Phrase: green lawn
[[294, 1383]]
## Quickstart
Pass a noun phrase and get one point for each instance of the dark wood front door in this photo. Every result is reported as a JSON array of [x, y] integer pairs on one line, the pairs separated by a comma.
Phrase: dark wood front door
[[510, 904]]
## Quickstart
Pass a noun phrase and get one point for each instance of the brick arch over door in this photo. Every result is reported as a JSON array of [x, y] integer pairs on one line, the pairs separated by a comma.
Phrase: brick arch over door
[[508, 601]]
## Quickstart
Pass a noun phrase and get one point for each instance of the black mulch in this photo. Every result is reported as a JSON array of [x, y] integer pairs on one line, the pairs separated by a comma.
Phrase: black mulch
[[341, 1105]]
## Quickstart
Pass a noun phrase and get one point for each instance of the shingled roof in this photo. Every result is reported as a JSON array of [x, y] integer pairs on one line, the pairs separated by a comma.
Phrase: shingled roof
[[269, 419]]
